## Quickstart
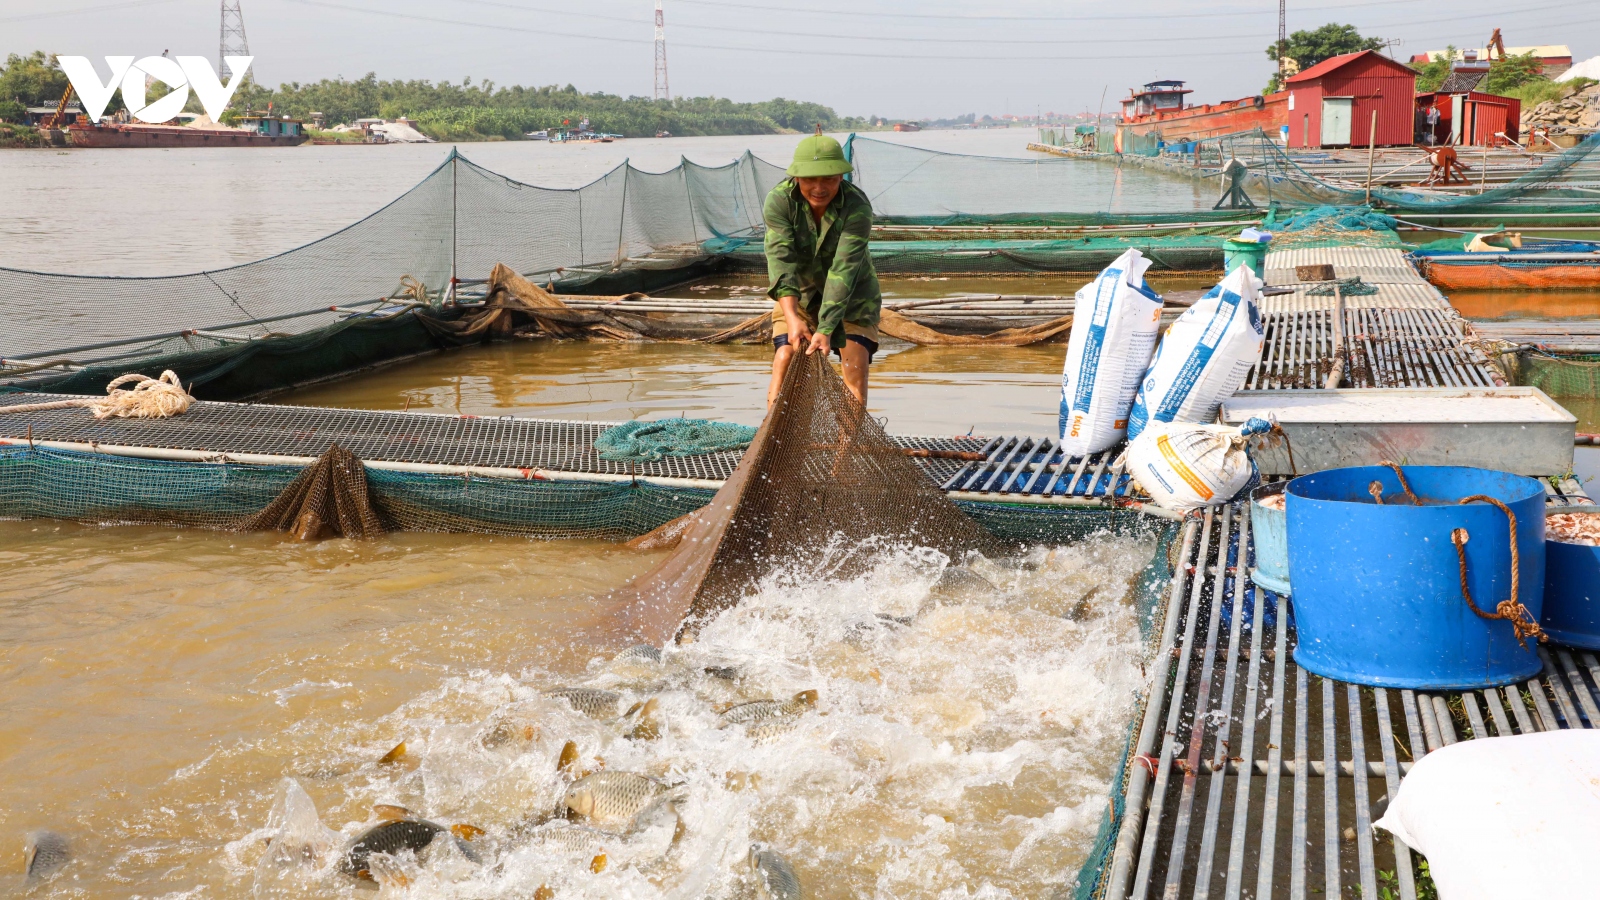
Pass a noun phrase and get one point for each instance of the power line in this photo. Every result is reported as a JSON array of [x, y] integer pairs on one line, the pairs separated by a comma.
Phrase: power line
[[82, 9], [1071, 18], [821, 53]]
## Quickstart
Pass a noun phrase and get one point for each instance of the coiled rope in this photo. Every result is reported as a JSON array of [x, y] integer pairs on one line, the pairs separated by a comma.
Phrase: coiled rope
[[149, 398], [1523, 624]]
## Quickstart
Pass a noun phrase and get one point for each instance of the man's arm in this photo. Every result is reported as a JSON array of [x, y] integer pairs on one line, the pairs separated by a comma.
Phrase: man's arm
[[783, 263], [849, 258]]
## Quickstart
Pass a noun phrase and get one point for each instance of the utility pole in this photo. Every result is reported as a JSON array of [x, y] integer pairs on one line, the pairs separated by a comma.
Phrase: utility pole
[[662, 92], [1283, 39], [232, 41]]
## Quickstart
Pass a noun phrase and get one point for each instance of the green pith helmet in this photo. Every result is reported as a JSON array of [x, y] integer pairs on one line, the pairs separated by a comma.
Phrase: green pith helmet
[[819, 156]]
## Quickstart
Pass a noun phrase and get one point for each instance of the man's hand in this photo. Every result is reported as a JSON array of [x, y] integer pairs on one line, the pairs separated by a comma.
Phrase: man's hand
[[819, 341], [799, 331]]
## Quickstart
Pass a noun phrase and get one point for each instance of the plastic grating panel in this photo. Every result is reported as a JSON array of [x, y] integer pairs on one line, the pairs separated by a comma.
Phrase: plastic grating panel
[[491, 442], [1231, 767], [1036, 467]]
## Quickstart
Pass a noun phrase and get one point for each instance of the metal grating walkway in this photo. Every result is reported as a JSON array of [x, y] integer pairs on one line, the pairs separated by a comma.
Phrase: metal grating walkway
[[1229, 792]]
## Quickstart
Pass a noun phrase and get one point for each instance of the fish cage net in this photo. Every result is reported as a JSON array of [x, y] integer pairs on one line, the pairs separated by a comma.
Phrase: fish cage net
[[1555, 184], [1571, 377], [106, 489]]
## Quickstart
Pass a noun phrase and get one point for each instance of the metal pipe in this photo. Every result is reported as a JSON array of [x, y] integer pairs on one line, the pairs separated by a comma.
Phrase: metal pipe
[[1139, 774], [267, 459]]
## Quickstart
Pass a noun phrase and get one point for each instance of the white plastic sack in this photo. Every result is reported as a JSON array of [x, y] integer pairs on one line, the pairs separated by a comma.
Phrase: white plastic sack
[[1184, 466], [1506, 817], [1204, 357], [1114, 330]]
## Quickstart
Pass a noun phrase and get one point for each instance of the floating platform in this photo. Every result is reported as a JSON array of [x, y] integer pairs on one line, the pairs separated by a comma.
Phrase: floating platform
[[1250, 777]]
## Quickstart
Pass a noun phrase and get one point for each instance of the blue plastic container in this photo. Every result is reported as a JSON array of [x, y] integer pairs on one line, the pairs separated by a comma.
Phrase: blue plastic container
[[1269, 529], [1377, 588], [1571, 612]]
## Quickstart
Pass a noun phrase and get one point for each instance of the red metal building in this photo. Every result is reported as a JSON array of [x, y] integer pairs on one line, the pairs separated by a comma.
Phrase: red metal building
[[1472, 118], [1331, 104]]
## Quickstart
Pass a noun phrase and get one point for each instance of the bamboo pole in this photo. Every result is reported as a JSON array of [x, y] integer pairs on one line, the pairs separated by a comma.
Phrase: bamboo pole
[[1372, 146]]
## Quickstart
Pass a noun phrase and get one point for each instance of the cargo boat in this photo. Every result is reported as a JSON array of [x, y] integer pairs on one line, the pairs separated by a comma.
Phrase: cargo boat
[[255, 131]]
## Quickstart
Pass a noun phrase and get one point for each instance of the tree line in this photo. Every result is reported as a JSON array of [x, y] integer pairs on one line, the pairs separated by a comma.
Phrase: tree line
[[466, 110]]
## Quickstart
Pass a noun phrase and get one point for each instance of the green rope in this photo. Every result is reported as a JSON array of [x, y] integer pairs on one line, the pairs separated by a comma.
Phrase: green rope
[[1349, 287], [650, 441]]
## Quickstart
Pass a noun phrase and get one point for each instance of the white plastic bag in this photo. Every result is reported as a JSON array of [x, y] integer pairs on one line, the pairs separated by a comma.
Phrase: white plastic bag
[[1204, 357], [1114, 329], [1184, 466], [1506, 817]]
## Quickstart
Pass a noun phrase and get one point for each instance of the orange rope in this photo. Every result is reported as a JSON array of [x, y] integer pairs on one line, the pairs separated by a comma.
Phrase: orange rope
[[1523, 624], [1405, 485]]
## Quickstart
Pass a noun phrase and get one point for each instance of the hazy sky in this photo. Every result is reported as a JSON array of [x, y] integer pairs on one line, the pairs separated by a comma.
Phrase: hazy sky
[[897, 58]]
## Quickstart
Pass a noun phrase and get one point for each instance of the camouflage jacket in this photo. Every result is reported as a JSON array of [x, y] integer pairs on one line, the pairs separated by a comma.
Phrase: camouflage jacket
[[828, 269]]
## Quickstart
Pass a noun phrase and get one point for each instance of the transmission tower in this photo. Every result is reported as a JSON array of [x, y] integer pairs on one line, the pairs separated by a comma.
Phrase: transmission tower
[[662, 93], [233, 41]]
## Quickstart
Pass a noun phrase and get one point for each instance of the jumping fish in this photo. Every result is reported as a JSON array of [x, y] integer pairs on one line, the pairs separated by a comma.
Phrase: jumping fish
[[649, 837], [45, 853], [775, 878], [639, 653], [756, 710], [505, 733], [592, 702], [400, 831], [646, 726], [612, 800]]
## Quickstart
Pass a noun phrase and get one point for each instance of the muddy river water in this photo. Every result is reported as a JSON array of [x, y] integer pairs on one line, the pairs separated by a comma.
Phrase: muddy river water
[[162, 684]]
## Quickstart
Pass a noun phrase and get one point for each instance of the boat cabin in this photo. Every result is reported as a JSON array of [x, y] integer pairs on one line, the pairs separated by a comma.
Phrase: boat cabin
[[271, 126], [1155, 97]]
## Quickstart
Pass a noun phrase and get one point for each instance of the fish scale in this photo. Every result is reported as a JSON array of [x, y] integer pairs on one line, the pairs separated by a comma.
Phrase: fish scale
[[612, 799], [757, 710], [592, 702], [775, 877], [46, 852]]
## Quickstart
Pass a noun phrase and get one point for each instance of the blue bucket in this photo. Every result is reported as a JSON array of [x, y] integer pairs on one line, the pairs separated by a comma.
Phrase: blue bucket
[[1571, 612], [1377, 588], [1270, 531]]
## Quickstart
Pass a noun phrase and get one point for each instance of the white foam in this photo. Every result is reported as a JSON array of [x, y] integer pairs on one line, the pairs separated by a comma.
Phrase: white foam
[[966, 753]]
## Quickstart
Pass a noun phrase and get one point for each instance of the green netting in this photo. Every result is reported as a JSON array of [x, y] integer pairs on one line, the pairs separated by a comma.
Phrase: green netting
[[42, 482], [217, 369], [1574, 377], [650, 441], [1150, 599], [999, 257], [1563, 184], [99, 488]]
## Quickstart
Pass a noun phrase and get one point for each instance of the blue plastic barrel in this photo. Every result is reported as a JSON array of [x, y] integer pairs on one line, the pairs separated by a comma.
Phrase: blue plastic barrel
[[1377, 587], [1571, 612], [1270, 530]]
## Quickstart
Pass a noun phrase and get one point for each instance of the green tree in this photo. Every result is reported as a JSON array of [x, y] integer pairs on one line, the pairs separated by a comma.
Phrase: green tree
[[1512, 72], [12, 111], [1431, 74], [1307, 48], [32, 80]]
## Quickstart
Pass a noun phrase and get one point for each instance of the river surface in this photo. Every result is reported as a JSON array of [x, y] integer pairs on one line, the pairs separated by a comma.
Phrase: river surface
[[165, 212]]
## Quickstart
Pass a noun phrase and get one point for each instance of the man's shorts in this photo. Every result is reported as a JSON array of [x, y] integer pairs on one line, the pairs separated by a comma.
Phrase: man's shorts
[[865, 335]]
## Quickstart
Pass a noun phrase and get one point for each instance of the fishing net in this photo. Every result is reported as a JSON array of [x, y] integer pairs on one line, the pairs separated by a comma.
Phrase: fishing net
[[820, 475], [328, 499], [1570, 377]]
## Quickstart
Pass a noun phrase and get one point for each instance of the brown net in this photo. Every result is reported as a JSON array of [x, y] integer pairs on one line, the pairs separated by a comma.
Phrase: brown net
[[513, 305], [820, 474], [328, 499]]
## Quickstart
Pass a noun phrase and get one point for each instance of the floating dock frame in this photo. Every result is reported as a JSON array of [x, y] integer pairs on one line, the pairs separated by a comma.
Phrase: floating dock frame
[[1250, 777]]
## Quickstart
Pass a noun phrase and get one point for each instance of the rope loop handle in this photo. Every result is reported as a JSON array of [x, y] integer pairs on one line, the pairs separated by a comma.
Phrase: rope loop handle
[[1523, 625], [1406, 485]]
